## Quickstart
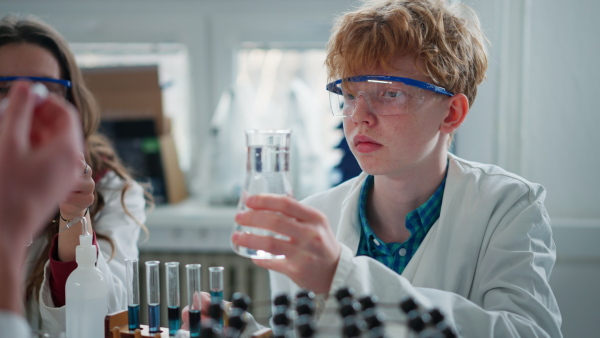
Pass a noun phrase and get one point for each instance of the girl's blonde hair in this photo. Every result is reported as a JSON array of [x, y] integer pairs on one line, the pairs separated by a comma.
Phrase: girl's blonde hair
[[446, 40]]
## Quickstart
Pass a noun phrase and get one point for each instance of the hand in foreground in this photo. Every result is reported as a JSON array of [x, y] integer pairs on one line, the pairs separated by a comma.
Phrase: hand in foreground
[[312, 251], [40, 143]]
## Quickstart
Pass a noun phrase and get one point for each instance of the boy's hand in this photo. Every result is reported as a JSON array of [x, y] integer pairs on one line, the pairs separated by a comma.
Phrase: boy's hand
[[312, 249]]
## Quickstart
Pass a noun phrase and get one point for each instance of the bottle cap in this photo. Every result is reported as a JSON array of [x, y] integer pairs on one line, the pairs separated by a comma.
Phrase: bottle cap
[[85, 253]]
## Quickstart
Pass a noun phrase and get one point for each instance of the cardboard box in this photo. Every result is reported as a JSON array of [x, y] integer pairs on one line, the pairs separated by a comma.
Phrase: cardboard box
[[176, 187], [128, 93], [130, 102]]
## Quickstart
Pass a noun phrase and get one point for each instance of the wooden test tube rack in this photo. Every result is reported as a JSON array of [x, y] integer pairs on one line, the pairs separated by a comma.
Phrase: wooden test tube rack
[[116, 325]]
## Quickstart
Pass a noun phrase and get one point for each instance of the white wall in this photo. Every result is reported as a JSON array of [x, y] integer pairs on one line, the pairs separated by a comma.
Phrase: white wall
[[535, 115], [539, 120], [539, 98]]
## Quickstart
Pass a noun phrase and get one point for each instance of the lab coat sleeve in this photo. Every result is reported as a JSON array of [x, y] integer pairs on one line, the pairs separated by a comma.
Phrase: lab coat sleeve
[[13, 326], [115, 223], [124, 231], [510, 296]]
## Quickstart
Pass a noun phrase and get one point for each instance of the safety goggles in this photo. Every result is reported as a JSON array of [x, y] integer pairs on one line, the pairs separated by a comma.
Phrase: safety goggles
[[56, 86], [385, 95]]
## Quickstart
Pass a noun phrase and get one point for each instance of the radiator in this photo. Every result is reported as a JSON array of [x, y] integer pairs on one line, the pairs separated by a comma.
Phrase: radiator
[[240, 275]]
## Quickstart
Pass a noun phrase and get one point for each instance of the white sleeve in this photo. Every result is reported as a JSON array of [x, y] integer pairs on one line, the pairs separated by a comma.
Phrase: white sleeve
[[13, 326], [510, 295], [111, 221], [114, 222]]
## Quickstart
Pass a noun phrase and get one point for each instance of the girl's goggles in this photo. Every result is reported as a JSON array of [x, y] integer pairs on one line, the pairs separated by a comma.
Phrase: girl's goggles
[[56, 86]]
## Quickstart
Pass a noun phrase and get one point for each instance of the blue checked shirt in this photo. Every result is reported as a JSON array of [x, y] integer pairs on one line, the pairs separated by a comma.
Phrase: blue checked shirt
[[397, 255]]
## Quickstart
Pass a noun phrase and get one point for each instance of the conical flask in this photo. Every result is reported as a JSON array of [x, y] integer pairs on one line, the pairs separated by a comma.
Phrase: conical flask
[[267, 172]]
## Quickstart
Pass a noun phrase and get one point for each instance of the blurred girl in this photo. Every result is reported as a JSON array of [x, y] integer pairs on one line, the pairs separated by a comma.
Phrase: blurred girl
[[105, 194]]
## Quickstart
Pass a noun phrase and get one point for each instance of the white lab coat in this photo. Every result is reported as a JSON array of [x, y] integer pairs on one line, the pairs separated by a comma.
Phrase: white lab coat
[[13, 326], [485, 263], [110, 221]]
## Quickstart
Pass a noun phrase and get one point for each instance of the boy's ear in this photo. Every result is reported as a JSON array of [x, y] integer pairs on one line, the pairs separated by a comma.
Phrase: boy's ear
[[458, 108]]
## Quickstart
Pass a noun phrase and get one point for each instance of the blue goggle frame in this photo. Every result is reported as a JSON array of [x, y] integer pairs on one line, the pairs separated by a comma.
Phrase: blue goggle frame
[[65, 83], [335, 88]]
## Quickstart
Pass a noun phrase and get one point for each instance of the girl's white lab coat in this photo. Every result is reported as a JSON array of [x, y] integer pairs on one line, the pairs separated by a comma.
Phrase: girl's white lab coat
[[485, 263], [121, 228]]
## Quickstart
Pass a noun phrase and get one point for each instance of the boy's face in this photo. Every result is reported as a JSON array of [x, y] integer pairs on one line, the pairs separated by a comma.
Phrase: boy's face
[[403, 144]]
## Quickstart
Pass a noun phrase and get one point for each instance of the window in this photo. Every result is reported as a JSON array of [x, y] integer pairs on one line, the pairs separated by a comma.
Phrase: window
[[274, 88], [173, 66]]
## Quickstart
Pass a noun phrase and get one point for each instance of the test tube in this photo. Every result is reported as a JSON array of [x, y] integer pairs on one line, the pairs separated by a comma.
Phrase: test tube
[[194, 299], [153, 287], [172, 271], [133, 293], [216, 285]]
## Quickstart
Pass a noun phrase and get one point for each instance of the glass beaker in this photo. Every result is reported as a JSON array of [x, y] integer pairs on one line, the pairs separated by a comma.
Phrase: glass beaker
[[267, 172]]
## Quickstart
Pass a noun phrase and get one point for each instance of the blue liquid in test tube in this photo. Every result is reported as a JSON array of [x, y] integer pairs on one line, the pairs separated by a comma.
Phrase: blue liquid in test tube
[[216, 285], [195, 324], [134, 317], [216, 296], [153, 287], [174, 320], [194, 299], [154, 318], [133, 293], [172, 274]]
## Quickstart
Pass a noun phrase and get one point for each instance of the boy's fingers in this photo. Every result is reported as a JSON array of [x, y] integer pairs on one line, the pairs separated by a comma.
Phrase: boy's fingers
[[275, 222], [283, 204], [266, 243], [277, 265]]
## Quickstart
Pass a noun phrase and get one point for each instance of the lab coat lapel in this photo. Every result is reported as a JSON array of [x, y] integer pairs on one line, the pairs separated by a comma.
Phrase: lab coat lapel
[[436, 262], [348, 232]]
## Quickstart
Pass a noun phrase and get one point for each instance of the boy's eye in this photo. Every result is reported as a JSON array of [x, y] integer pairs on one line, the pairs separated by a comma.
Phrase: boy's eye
[[394, 94]]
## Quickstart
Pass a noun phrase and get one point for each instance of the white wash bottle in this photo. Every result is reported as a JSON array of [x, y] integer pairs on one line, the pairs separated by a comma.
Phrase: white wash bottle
[[86, 292]]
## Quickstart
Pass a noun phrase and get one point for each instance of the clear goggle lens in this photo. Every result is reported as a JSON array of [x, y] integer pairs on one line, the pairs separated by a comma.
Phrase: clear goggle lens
[[381, 94]]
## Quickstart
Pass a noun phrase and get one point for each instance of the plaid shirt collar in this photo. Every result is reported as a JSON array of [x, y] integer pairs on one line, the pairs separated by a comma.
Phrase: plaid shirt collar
[[421, 218]]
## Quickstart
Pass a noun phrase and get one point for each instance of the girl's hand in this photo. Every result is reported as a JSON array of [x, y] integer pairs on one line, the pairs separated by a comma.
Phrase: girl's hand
[[205, 298], [82, 195]]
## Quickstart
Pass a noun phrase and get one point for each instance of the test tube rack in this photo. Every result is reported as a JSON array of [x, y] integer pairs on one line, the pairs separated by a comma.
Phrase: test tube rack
[[116, 326]]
